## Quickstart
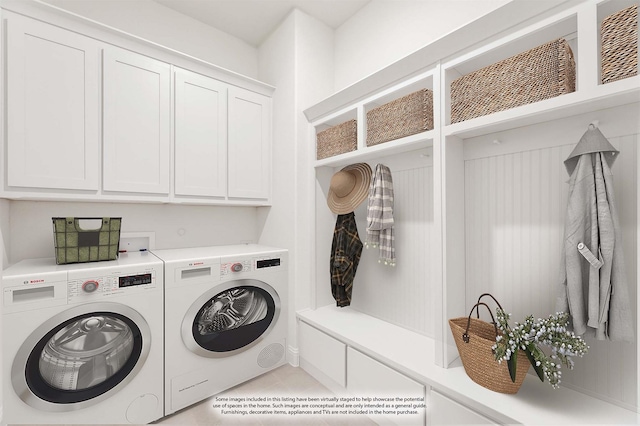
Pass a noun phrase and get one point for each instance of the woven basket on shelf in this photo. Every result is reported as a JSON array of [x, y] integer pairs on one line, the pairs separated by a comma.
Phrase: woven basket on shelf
[[337, 140], [541, 73], [619, 36], [402, 117], [474, 339]]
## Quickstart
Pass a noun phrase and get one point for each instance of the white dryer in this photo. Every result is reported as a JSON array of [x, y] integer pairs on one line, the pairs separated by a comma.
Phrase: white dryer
[[83, 343], [225, 318]]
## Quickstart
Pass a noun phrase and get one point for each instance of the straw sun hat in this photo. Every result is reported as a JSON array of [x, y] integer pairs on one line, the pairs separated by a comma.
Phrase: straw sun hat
[[349, 187]]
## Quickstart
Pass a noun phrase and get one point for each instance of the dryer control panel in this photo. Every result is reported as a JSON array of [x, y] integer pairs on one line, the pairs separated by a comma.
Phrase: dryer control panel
[[236, 267]]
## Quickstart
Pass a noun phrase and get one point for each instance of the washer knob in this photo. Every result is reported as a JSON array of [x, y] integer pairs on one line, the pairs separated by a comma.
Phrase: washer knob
[[90, 286], [236, 267]]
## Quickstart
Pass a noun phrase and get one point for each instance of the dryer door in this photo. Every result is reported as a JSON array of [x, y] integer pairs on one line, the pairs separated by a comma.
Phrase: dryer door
[[230, 318], [80, 356]]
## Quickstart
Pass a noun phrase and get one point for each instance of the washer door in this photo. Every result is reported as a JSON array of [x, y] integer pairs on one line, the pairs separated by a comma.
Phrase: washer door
[[80, 356], [230, 318]]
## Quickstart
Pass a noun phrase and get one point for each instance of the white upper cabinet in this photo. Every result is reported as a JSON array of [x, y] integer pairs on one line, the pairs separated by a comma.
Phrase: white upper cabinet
[[137, 123], [53, 101], [200, 135], [249, 144], [92, 115]]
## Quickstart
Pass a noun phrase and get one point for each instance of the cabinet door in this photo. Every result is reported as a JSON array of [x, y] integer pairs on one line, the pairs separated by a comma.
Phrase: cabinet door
[[53, 100], [446, 411], [322, 356], [200, 135], [136, 123], [249, 144], [367, 377]]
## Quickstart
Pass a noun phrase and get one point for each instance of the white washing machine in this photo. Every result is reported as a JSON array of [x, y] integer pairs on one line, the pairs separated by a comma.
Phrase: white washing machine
[[83, 343], [225, 318]]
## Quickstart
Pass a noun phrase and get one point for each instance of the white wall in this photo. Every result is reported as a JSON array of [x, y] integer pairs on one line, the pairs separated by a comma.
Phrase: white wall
[[386, 30], [31, 231], [4, 243], [157, 23], [296, 59]]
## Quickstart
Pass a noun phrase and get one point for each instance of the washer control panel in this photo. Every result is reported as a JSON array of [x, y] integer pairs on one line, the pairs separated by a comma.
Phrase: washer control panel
[[109, 285]]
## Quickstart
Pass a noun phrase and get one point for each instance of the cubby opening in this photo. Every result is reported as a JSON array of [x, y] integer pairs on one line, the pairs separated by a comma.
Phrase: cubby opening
[[337, 136], [401, 294], [514, 198], [621, 35], [506, 48], [399, 116]]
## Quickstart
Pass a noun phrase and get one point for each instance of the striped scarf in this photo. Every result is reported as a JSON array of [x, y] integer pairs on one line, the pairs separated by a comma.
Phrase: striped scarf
[[380, 215]]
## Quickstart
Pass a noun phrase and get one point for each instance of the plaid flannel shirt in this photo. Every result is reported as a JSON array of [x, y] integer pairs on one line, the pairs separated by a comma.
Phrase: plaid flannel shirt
[[345, 256]]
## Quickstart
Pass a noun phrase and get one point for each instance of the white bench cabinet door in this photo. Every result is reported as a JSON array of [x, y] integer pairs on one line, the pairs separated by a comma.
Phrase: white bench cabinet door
[[249, 145], [446, 411], [136, 123], [200, 135], [53, 100], [322, 356], [367, 377]]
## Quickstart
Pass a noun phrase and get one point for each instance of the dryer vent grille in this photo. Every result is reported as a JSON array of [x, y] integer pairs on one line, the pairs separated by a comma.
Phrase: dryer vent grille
[[270, 355]]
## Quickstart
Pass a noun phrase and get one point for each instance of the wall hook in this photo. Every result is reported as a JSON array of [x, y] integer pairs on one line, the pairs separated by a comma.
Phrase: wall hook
[[592, 141]]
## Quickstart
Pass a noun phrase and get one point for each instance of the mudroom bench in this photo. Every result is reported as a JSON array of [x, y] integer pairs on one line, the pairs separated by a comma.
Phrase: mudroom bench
[[347, 350]]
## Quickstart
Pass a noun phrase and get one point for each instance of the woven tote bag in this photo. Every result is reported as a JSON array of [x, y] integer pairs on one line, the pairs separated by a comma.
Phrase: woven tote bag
[[474, 339]]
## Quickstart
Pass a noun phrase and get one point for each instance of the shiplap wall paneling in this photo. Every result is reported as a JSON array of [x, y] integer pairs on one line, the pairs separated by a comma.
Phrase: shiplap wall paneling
[[515, 206], [402, 295], [513, 228]]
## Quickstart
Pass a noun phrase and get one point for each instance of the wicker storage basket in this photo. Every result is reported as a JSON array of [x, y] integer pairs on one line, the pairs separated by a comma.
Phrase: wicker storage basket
[[543, 72], [73, 244], [474, 339], [619, 33], [337, 140], [402, 117]]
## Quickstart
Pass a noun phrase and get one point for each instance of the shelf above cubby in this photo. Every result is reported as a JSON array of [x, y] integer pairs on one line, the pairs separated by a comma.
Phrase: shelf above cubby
[[406, 144]]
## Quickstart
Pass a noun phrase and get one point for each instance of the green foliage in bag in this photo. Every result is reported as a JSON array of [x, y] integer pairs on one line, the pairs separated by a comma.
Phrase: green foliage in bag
[[551, 331]]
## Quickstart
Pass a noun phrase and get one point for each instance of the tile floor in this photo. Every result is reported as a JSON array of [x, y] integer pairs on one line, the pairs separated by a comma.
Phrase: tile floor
[[283, 381]]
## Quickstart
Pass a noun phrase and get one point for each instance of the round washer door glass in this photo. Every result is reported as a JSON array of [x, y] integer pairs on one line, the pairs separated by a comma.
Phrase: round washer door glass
[[83, 357], [235, 317]]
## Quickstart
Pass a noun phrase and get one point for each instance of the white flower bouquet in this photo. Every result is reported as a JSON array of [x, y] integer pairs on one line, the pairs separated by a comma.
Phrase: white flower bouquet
[[551, 332]]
